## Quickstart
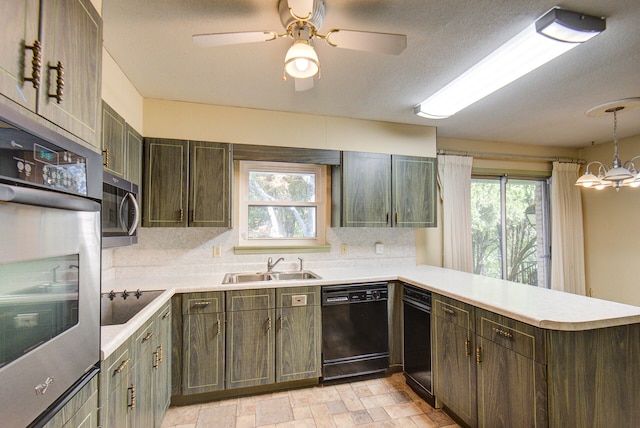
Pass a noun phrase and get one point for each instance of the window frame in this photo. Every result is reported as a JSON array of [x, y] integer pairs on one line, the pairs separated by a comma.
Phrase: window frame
[[544, 234], [320, 204]]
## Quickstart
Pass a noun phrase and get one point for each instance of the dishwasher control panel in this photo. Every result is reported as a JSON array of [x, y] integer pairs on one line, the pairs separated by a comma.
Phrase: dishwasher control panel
[[341, 294]]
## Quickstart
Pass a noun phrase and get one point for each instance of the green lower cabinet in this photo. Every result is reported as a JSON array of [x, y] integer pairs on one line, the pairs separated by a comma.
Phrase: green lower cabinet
[[81, 411], [250, 338], [162, 364], [203, 342], [298, 334], [135, 379]]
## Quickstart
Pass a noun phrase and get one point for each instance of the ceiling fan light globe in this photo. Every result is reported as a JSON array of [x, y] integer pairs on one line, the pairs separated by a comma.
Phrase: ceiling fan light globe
[[301, 60]]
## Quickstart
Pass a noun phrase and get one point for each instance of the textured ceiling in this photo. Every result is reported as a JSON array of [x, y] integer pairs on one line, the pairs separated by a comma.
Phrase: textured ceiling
[[151, 41]]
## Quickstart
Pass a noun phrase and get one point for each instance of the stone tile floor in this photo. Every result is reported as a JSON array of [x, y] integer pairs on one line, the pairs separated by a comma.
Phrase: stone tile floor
[[380, 402]]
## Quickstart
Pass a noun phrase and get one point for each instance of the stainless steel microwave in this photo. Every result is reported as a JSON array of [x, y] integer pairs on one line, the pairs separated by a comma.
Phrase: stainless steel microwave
[[120, 212]]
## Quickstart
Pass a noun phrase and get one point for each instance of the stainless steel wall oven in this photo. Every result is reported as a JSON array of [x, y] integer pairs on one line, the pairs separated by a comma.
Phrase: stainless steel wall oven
[[50, 253]]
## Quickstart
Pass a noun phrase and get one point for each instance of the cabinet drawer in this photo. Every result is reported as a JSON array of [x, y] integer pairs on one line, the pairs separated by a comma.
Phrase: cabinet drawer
[[454, 311], [517, 336], [249, 300], [297, 296], [202, 303]]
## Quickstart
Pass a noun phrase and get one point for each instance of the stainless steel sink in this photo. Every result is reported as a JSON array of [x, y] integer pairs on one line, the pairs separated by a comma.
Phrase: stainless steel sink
[[242, 277], [116, 309]]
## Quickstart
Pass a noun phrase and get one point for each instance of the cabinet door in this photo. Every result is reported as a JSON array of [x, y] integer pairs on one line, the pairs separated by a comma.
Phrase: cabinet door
[[366, 189], [162, 364], [203, 353], [70, 96], [19, 21], [133, 156], [511, 388], [115, 383], [298, 325], [209, 184], [113, 141], [250, 337], [143, 372], [455, 369], [414, 191], [165, 180]]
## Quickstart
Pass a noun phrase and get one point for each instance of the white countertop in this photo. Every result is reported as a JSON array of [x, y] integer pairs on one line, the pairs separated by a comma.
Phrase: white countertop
[[539, 307]]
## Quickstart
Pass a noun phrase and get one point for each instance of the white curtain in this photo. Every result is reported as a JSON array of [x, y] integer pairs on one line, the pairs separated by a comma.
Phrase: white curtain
[[454, 178], [567, 238]]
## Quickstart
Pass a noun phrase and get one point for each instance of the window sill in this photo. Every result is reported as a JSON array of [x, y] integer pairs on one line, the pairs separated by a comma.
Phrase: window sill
[[283, 249]]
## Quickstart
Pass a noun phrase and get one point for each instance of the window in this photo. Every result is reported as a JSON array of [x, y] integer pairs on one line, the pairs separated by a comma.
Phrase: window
[[509, 222], [282, 203]]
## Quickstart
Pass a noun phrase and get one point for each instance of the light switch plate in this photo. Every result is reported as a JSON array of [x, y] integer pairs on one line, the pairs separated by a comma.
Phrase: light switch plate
[[299, 300]]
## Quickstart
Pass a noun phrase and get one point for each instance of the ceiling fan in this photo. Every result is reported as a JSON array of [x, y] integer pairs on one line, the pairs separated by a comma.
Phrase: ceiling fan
[[302, 19]]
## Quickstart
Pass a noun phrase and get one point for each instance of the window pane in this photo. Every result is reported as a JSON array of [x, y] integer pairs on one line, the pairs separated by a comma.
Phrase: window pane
[[282, 187], [486, 227], [524, 249], [282, 222]]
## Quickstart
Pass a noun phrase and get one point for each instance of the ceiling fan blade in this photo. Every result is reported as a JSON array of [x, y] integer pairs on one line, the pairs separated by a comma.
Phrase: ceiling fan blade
[[222, 39], [386, 43], [301, 9], [303, 84]]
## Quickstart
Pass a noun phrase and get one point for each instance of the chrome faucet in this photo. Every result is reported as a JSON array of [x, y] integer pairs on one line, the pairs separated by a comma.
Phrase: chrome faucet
[[271, 264], [54, 276]]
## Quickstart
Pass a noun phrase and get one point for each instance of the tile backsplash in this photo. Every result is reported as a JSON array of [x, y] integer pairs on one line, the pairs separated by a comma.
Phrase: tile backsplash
[[190, 251]]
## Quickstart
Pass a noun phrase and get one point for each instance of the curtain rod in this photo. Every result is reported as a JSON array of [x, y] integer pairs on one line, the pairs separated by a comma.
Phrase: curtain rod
[[502, 156]]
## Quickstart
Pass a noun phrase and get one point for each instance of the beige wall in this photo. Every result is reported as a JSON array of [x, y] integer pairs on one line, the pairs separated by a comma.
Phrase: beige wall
[[612, 231], [119, 93], [172, 119]]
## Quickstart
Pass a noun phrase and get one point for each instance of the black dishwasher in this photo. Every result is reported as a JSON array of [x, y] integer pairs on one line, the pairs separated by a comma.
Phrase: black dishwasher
[[355, 332], [417, 341]]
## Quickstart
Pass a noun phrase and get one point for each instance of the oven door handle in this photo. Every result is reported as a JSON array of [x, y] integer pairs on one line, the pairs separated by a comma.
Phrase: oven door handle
[[44, 198], [136, 215]]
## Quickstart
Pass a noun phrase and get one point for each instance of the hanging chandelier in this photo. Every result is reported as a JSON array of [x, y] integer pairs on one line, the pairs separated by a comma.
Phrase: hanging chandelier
[[618, 174]]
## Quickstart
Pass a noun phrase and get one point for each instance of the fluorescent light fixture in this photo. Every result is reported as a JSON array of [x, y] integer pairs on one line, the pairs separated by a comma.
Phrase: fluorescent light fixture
[[553, 34]]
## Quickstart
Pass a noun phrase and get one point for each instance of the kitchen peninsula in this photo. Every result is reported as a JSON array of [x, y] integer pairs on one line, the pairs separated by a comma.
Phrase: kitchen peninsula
[[584, 351]]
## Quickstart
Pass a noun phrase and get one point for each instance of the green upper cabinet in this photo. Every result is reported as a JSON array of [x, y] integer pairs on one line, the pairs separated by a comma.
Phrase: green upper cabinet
[[186, 183], [114, 141], [165, 183], [72, 67], [414, 191], [134, 155], [65, 62], [366, 189], [20, 22], [209, 184], [381, 190]]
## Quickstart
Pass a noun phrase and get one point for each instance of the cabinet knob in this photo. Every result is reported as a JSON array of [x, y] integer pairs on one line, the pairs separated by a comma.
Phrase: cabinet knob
[[36, 63]]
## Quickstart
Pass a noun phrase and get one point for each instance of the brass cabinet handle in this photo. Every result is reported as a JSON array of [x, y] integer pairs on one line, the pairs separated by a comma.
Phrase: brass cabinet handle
[[106, 158], [165, 316], [132, 391], [503, 333], [148, 336], [478, 355], [36, 63], [467, 349], [181, 215], [447, 310], [202, 303], [387, 217], [156, 359], [122, 366], [160, 351], [219, 328], [59, 82], [269, 324], [396, 217], [282, 320]]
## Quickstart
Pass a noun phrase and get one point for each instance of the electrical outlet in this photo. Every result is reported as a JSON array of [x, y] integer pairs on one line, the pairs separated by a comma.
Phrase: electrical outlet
[[379, 248], [344, 249], [217, 251]]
